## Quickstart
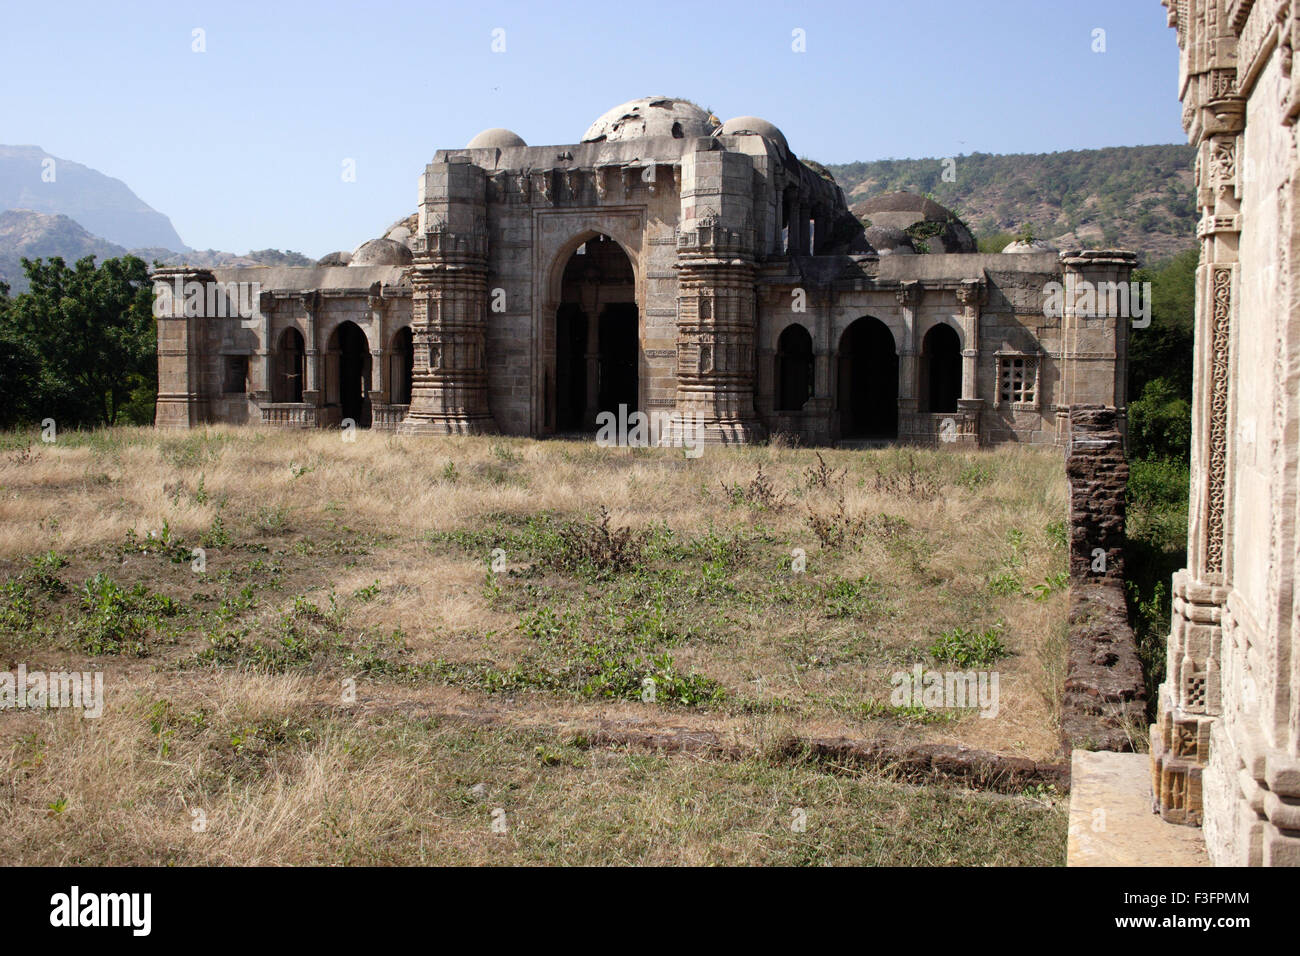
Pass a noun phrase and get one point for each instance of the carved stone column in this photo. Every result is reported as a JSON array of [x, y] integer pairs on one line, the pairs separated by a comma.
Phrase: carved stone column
[[1190, 698], [378, 348], [715, 333], [908, 296], [449, 390], [312, 393], [265, 350]]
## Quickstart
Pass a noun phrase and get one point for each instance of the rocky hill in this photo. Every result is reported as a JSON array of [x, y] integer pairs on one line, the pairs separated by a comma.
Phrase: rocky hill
[[1135, 197], [32, 179], [37, 235]]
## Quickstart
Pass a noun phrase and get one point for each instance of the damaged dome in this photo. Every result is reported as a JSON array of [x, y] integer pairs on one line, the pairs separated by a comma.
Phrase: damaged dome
[[381, 252], [929, 226], [651, 116]]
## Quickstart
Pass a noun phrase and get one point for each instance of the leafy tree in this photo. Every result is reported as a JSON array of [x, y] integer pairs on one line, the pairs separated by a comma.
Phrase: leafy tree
[[80, 343]]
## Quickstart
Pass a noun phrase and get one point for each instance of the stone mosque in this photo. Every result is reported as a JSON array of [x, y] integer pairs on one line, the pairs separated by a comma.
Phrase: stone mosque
[[667, 262]]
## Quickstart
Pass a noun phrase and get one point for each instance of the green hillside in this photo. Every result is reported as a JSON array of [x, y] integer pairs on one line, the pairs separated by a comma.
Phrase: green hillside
[[1135, 197]]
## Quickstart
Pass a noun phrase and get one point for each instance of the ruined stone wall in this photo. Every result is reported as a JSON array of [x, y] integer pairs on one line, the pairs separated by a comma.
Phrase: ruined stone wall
[[1104, 701]]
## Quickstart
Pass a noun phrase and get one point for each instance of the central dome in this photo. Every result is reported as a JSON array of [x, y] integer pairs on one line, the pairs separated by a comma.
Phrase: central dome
[[651, 116]]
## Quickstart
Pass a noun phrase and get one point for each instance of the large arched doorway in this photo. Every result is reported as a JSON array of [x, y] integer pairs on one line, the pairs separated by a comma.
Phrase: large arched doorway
[[794, 368], [401, 361], [868, 381], [289, 368], [597, 337], [940, 369], [349, 355]]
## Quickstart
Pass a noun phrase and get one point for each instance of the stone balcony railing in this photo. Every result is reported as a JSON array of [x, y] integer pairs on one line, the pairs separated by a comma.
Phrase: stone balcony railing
[[940, 428], [387, 417], [290, 415]]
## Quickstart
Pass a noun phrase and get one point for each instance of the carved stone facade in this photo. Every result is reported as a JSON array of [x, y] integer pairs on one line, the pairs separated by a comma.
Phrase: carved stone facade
[[672, 264], [1226, 745]]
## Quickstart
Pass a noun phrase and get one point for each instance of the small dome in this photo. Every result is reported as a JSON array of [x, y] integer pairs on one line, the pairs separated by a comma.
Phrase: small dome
[[381, 252], [650, 116], [496, 138], [1022, 246], [335, 259], [753, 126], [889, 241]]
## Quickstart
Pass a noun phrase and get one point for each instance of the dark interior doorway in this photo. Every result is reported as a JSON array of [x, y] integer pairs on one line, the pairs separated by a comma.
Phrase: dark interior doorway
[[354, 373], [597, 337], [401, 367], [794, 368], [618, 358], [288, 384], [868, 392], [941, 369]]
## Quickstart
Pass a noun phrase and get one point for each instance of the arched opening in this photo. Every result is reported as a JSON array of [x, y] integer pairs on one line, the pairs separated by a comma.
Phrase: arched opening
[[400, 363], [289, 368], [868, 381], [597, 336], [349, 387], [940, 369], [794, 368]]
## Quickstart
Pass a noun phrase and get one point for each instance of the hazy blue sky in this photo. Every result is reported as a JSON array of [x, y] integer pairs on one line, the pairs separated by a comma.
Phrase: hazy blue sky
[[243, 145]]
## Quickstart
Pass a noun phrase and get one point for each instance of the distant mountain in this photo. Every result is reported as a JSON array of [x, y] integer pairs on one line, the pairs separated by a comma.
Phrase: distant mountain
[[1134, 197], [101, 204], [25, 234], [36, 235]]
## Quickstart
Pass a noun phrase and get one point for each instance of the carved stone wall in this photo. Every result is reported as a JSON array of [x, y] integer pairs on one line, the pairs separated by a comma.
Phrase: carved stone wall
[[1226, 745]]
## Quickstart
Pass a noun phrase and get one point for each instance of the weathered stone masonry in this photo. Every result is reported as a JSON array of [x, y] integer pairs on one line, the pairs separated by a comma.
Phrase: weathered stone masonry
[[670, 263], [1226, 745]]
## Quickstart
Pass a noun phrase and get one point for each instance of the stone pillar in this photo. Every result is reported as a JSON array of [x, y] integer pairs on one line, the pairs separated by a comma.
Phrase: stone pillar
[[969, 296], [266, 349], [1190, 699], [313, 392], [909, 401], [717, 302], [378, 348], [181, 353], [449, 392]]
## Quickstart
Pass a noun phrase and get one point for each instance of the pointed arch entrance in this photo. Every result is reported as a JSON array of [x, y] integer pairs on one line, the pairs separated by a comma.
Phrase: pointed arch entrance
[[597, 337]]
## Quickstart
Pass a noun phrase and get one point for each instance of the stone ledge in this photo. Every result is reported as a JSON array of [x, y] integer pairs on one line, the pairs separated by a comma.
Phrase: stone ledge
[[1104, 702], [1111, 822]]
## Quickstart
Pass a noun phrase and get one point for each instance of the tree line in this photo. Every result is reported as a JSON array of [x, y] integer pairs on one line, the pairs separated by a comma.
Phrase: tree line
[[80, 345]]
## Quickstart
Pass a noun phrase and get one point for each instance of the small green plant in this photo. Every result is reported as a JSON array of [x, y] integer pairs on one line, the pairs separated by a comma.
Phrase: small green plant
[[967, 648], [449, 473], [1005, 583], [216, 536], [1057, 533], [1051, 584], [974, 476]]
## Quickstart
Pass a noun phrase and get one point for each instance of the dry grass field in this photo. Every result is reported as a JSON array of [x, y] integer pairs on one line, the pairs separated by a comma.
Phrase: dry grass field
[[399, 650]]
